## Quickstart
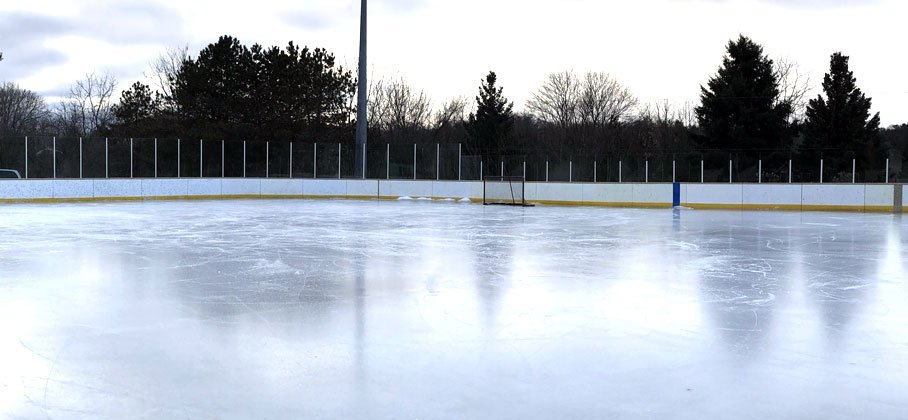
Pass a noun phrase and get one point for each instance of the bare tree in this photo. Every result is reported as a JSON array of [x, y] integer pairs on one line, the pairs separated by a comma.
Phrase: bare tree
[[165, 69], [394, 105], [21, 111], [794, 87], [88, 106], [604, 100], [451, 112], [558, 99]]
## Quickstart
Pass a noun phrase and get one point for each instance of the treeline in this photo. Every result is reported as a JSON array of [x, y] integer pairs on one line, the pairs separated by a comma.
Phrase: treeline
[[752, 105]]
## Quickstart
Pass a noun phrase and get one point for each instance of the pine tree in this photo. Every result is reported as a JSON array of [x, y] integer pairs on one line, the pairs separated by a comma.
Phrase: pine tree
[[842, 121], [739, 107], [490, 127]]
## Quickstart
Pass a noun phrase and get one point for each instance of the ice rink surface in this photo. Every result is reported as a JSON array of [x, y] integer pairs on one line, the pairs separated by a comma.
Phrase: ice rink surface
[[428, 310]]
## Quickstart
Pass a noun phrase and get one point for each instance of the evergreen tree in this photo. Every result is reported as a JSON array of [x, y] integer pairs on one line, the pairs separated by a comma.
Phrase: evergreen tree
[[739, 107], [490, 127], [842, 120]]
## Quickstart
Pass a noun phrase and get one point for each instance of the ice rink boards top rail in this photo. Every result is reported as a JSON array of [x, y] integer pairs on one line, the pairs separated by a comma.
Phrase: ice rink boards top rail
[[791, 197]]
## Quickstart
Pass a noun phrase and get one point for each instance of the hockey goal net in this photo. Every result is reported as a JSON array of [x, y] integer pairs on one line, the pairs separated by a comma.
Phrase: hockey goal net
[[504, 190]]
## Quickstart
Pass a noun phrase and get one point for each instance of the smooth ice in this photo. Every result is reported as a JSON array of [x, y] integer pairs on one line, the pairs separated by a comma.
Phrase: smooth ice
[[428, 310]]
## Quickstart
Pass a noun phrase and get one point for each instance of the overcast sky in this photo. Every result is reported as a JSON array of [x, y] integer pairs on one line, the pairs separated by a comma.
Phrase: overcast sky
[[660, 49]]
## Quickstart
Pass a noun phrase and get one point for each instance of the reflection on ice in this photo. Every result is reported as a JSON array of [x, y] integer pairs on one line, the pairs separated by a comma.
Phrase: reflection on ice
[[414, 309]]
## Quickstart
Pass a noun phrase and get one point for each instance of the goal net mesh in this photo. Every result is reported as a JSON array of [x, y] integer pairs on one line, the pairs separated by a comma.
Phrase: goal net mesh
[[507, 190]]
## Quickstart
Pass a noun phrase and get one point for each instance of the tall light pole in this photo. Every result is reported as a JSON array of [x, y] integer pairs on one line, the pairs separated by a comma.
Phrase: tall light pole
[[361, 126]]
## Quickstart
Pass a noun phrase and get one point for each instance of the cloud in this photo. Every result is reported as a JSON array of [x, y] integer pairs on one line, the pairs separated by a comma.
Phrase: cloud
[[310, 21]]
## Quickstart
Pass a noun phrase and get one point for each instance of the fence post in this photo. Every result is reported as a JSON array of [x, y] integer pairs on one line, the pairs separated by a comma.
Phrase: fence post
[[364, 159], [314, 160], [80, 157], [291, 160], [156, 157], [244, 158], [702, 172], [570, 171], [202, 164], [223, 147], [546, 171], [106, 158], [619, 171], [437, 163], [54, 146], [760, 171], [674, 178], [790, 168], [646, 170], [339, 161], [480, 172], [178, 158], [267, 157], [854, 169], [502, 168], [729, 171], [594, 172], [524, 170], [26, 157], [388, 161], [887, 170], [414, 161], [130, 157], [459, 163], [821, 171]]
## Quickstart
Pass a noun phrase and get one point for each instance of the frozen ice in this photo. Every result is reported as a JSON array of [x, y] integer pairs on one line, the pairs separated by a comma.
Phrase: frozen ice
[[388, 309]]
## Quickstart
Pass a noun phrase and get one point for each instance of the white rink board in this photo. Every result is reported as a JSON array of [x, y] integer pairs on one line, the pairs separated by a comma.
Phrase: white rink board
[[731, 194], [117, 188], [772, 194], [833, 195], [72, 188], [164, 187], [241, 186], [879, 195]]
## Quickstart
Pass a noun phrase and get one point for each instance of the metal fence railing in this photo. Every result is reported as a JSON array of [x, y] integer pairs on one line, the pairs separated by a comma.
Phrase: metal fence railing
[[74, 158]]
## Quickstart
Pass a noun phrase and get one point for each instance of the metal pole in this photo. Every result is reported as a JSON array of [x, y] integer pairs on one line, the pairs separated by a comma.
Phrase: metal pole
[[760, 171], [887, 170], [702, 178], [291, 160], [155, 157], [267, 158], [223, 147], [339, 161], [502, 169], [388, 161], [178, 158], [201, 155], [314, 160], [80, 157], [524, 170], [674, 178], [362, 90], [854, 169], [54, 146], [459, 163], [821, 171], [546, 171], [646, 168], [437, 159], [106, 158], [594, 172], [364, 158], [729, 171], [790, 168], [244, 158], [414, 161], [130, 157], [480, 173], [619, 172], [570, 171], [26, 157]]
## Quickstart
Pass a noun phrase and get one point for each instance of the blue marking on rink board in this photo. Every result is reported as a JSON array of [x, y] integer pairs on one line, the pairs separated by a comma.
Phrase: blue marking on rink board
[[676, 194]]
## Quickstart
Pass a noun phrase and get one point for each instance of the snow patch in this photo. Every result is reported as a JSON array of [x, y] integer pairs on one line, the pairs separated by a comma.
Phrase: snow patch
[[404, 198]]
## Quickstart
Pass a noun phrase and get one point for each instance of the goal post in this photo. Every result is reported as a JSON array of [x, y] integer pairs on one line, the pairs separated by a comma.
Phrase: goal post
[[504, 190]]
